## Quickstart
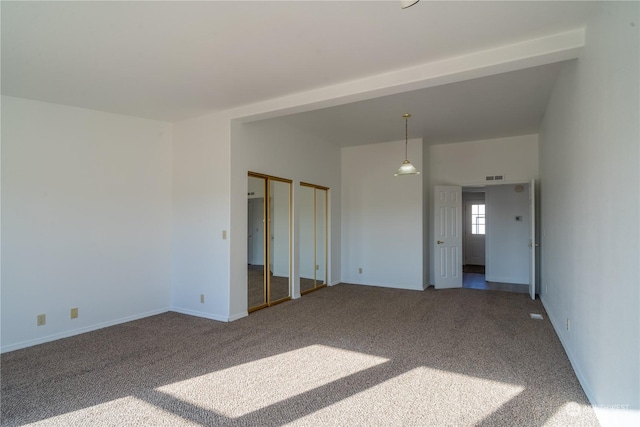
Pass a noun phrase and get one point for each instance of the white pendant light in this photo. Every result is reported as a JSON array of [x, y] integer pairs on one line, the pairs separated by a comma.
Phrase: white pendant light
[[407, 3], [406, 168]]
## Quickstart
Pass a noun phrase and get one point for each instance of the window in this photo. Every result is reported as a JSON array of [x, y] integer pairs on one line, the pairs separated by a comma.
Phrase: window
[[477, 219]]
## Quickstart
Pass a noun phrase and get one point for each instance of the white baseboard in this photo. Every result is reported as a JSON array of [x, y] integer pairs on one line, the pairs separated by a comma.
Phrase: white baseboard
[[607, 415], [448, 287], [500, 279], [386, 285], [617, 417], [337, 282], [558, 329], [238, 316], [67, 334], [202, 314]]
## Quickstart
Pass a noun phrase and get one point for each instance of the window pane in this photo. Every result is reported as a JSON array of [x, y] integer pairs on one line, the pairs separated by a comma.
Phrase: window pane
[[477, 219]]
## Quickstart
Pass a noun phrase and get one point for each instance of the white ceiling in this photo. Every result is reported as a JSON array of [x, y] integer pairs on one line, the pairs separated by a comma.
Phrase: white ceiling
[[174, 60], [497, 106]]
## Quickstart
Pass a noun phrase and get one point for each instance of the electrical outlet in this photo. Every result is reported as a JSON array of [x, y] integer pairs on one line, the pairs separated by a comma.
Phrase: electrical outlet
[[224, 234], [360, 270], [317, 267], [42, 319], [74, 313], [568, 325], [202, 298]]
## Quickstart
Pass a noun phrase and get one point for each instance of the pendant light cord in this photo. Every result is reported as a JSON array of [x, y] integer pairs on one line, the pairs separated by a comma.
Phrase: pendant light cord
[[406, 136]]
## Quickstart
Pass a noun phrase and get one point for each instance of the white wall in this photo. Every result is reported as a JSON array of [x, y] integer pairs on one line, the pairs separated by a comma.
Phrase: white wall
[[590, 209], [200, 261], [277, 149], [507, 240], [468, 164], [382, 216], [86, 219]]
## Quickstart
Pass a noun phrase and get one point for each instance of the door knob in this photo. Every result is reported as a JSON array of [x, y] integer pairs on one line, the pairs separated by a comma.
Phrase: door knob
[[439, 242]]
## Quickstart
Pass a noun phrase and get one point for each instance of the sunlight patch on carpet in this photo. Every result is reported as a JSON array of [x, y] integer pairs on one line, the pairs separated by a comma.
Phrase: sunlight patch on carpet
[[249, 387], [421, 396]]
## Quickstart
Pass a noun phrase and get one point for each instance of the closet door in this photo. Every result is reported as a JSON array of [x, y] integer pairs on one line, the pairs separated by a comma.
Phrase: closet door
[[279, 254], [307, 241], [313, 237], [321, 236], [256, 248], [268, 241]]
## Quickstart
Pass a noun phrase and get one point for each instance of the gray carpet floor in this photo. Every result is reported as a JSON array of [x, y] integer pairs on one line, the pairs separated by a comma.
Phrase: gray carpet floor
[[343, 356]]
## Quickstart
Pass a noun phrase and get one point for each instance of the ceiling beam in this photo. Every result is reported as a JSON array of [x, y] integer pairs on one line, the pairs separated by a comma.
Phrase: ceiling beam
[[531, 53]]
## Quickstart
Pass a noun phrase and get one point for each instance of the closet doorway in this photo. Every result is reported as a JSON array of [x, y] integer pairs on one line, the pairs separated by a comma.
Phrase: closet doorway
[[313, 208], [268, 240]]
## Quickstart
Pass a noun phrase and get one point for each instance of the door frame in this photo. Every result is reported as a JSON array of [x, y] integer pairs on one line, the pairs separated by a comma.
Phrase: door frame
[[267, 239], [465, 224], [535, 221]]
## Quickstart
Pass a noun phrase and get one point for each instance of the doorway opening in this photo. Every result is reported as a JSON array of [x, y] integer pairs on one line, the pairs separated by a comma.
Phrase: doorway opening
[[495, 226]]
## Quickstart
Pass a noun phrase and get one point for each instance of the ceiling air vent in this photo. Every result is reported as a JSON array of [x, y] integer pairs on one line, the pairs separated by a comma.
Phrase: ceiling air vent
[[495, 178]]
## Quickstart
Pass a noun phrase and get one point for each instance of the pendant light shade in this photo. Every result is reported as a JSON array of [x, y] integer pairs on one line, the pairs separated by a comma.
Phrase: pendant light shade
[[407, 3], [406, 168]]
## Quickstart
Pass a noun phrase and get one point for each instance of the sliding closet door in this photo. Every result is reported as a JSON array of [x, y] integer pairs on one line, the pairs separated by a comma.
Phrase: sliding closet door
[[321, 237], [256, 251], [268, 241], [313, 237], [279, 287], [307, 232]]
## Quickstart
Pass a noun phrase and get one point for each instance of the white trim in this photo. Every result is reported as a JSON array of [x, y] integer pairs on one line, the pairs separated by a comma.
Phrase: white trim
[[579, 375], [607, 416], [200, 314], [73, 332], [613, 417], [238, 316], [336, 282], [499, 279], [387, 285]]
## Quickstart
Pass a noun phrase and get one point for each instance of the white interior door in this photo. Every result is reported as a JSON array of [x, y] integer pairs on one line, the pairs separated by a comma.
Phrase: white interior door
[[533, 244], [448, 236]]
